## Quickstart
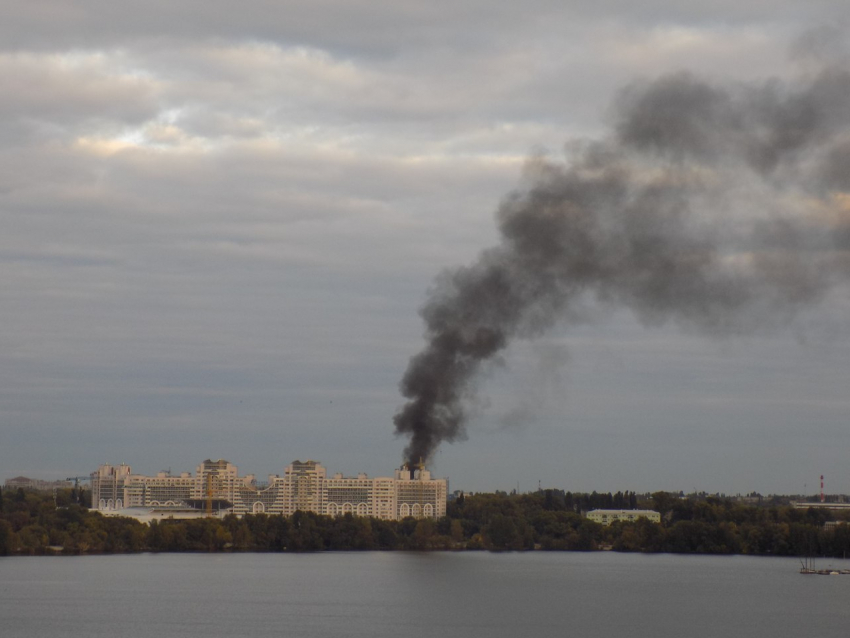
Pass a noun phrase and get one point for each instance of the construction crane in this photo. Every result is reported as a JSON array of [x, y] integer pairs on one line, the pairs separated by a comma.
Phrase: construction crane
[[76, 488], [209, 495]]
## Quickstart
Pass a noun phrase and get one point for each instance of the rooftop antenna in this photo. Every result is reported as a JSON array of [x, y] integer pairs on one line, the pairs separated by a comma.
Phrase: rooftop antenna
[[821, 489]]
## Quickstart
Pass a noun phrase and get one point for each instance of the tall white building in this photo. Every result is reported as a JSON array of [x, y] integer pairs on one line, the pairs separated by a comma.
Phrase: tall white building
[[107, 485], [304, 486]]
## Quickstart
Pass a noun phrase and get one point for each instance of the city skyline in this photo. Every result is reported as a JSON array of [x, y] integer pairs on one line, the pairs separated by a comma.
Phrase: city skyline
[[304, 486], [222, 223]]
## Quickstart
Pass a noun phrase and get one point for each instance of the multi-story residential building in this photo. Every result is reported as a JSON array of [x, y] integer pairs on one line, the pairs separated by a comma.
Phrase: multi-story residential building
[[304, 486], [160, 490], [108, 486]]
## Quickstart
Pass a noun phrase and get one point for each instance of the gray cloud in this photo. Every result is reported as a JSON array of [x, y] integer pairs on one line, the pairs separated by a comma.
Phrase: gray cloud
[[208, 205], [618, 224], [57, 95], [367, 27]]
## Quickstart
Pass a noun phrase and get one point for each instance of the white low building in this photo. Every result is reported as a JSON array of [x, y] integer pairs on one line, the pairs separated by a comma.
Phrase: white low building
[[606, 517], [819, 505]]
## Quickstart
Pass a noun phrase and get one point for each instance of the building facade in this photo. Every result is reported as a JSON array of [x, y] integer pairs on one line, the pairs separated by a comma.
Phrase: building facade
[[35, 484], [217, 487], [606, 517], [107, 487]]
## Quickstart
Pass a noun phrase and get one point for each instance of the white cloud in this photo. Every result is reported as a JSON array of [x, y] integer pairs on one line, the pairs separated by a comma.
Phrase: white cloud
[[69, 89]]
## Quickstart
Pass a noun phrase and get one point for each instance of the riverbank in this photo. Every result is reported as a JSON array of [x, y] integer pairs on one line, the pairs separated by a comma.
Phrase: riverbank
[[37, 524]]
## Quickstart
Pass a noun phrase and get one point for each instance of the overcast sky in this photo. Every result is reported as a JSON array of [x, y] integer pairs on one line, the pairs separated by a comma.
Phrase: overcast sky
[[220, 221]]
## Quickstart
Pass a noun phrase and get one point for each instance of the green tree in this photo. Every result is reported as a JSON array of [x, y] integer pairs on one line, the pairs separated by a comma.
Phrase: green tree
[[663, 502], [501, 533], [423, 534], [6, 538], [456, 531]]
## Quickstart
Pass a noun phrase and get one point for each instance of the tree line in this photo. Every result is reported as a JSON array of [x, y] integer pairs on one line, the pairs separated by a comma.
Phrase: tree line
[[38, 523]]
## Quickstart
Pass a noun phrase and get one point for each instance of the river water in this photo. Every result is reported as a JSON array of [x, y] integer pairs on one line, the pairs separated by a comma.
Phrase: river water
[[418, 595]]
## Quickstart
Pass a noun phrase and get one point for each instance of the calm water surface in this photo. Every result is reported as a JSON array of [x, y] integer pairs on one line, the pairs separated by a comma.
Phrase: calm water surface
[[419, 596]]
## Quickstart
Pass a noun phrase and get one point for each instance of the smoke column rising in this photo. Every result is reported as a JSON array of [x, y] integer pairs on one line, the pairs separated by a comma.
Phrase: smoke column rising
[[725, 209]]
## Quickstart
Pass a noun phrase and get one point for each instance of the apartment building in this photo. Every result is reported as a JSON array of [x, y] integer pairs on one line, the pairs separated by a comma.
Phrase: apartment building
[[304, 486]]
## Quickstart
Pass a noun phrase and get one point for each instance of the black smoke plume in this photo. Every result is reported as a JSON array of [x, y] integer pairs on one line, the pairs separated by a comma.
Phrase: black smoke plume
[[722, 208]]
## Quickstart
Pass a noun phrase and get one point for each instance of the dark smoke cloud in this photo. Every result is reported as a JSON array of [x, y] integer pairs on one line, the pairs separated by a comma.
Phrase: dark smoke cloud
[[721, 208]]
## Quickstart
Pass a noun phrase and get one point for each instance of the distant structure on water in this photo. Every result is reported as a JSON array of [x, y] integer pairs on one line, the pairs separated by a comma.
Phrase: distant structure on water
[[218, 489]]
